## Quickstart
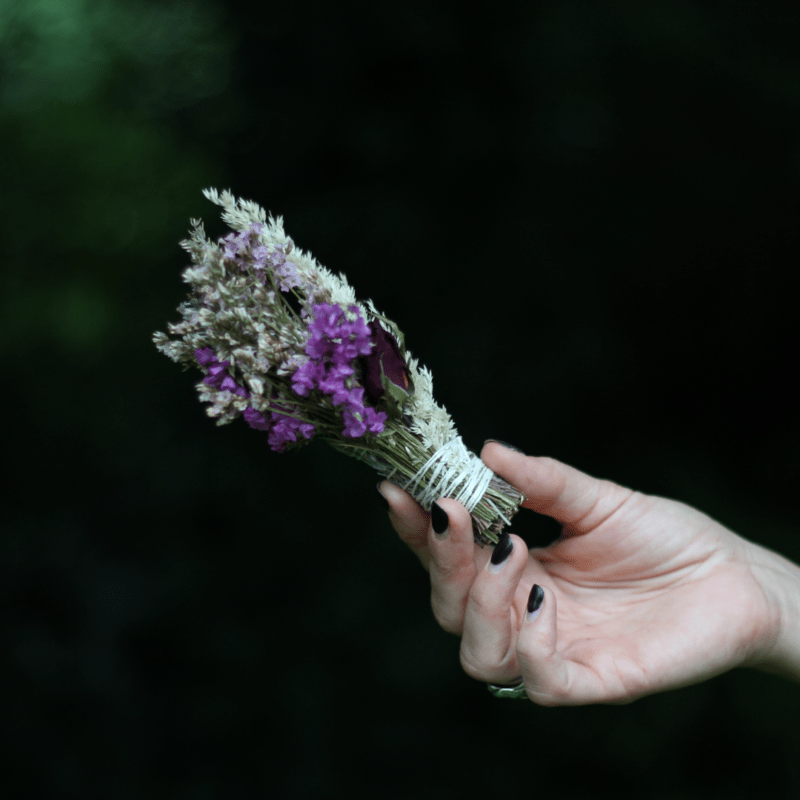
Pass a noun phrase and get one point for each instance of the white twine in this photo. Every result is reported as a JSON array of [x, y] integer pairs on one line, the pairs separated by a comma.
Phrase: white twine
[[458, 473]]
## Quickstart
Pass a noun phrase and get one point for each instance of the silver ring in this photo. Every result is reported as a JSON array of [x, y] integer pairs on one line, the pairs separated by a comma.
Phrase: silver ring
[[511, 692]]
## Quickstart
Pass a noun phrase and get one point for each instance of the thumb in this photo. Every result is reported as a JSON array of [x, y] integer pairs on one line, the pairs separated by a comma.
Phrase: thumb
[[571, 497]]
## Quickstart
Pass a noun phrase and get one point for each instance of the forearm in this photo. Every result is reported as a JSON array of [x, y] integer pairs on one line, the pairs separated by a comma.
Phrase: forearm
[[780, 581]]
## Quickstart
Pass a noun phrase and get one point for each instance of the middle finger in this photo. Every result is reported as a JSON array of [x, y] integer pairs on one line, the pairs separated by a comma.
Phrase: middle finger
[[454, 562]]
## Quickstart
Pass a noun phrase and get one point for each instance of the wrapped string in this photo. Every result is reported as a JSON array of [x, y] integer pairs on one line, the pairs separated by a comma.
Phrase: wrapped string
[[457, 473]]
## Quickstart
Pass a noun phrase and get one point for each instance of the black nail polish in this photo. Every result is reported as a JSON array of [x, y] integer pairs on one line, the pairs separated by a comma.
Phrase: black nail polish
[[385, 501], [535, 599], [439, 519], [504, 444], [502, 550]]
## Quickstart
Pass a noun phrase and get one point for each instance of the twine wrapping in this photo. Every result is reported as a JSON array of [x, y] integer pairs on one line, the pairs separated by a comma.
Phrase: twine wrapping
[[458, 473]]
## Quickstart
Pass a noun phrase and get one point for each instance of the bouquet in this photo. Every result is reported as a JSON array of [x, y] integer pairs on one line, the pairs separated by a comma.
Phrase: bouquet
[[284, 344]]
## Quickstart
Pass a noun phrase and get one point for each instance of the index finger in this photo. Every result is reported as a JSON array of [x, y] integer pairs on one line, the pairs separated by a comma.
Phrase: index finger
[[576, 500], [408, 519]]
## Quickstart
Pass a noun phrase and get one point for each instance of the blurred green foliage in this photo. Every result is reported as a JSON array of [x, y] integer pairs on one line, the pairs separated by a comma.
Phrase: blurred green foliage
[[85, 90], [583, 217]]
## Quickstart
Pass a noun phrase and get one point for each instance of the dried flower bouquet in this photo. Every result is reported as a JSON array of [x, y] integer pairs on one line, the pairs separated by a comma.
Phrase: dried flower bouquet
[[284, 344]]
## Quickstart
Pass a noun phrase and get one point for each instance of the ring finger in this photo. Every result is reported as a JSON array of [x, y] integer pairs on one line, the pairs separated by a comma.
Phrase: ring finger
[[488, 644]]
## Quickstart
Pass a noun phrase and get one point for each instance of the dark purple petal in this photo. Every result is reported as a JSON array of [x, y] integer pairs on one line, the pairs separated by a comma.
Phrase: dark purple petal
[[386, 353]]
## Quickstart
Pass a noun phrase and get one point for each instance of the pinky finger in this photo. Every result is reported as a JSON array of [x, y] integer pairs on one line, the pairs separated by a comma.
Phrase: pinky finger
[[550, 680]]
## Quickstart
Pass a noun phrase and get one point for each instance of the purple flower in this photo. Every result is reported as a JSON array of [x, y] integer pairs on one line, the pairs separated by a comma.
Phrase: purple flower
[[205, 356], [375, 420], [353, 424], [359, 421], [218, 374], [307, 377], [255, 419], [236, 243], [385, 357], [260, 255], [275, 259], [326, 320], [334, 381], [319, 346], [336, 340], [282, 429], [335, 337], [239, 245], [347, 350], [290, 278], [285, 429]]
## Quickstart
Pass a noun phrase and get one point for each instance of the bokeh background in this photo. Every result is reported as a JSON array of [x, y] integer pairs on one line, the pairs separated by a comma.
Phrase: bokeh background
[[584, 217]]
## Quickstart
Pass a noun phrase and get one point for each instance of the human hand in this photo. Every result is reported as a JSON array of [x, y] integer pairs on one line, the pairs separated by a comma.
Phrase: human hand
[[641, 593]]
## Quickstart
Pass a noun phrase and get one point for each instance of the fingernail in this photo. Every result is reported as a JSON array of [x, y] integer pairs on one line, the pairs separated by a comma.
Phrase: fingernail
[[535, 602], [505, 444], [385, 501], [439, 520], [502, 550]]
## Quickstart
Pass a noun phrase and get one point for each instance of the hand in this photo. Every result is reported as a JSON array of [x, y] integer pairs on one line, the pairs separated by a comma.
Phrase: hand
[[641, 593]]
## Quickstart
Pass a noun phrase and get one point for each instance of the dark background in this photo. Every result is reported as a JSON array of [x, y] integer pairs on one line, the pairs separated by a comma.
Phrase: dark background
[[584, 218]]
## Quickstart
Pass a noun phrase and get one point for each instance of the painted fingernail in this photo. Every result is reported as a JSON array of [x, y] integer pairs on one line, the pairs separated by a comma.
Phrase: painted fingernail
[[439, 520], [385, 501], [502, 550], [504, 444], [535, 601]]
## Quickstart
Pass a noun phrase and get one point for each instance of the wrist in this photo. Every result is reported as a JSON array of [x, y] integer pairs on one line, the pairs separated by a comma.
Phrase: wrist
[[779, 580]]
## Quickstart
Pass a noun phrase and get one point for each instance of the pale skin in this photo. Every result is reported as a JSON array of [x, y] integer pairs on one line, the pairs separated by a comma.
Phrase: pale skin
[[641, 593]]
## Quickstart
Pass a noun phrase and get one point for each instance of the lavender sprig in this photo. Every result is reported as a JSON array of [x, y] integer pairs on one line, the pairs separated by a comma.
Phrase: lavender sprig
[[284, 344]]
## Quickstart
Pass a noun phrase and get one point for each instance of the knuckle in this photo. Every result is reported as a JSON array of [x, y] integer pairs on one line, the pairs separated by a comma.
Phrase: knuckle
[[542, 699], [411, 538], [481, 606], [548, 695], [406, 527], [450, 574], [486, 666], [472, 667], [449, 625], [447, 620], [445, 571]]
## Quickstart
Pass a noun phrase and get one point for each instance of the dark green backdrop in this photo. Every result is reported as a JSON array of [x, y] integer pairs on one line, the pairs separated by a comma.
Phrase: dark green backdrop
[[583, 215]]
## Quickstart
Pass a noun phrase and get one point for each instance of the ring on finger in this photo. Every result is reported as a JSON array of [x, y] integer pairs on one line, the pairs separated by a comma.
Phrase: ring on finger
[[511, 692]]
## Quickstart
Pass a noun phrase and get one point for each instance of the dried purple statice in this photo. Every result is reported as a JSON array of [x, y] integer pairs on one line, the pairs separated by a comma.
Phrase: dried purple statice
[[335, 369]]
